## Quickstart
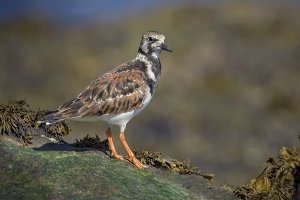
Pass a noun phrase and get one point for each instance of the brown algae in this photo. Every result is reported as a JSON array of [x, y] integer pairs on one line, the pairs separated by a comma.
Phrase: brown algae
[[19, 121]]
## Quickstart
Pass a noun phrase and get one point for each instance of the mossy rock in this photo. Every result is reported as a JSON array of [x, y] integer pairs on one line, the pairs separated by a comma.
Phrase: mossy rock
[[61, 171]]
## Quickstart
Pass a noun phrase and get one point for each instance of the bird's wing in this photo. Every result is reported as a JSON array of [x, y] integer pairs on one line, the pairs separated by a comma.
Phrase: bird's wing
[[110, 94]]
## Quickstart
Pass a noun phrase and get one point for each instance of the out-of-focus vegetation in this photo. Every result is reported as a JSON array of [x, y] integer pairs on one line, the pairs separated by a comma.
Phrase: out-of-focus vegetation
[[228, 97]]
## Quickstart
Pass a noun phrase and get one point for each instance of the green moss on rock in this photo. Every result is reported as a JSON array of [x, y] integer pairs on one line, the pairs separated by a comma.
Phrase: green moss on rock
[[74, 174]]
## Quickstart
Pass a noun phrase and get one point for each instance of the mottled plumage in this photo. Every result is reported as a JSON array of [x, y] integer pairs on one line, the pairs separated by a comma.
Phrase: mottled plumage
[[120, 94]]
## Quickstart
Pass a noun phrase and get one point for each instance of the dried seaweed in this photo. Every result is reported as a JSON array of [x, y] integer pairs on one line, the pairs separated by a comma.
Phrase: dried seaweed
[[57, 130], [17, 120], [92, 142], [158, 160], [278, 181]]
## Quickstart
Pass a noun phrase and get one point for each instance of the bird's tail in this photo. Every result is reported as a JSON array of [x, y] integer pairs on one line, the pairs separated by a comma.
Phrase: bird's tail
[[51, 118]]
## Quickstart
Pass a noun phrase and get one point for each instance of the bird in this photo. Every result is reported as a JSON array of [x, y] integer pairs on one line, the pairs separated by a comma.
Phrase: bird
[[118, 95]]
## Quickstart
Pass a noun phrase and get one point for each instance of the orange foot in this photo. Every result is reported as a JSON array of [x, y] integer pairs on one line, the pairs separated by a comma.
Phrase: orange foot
[[117, 156], [137, 163], [131, 157]]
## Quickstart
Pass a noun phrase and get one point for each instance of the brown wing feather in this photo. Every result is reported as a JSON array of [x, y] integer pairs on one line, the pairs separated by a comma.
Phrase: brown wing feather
[[110, 94]]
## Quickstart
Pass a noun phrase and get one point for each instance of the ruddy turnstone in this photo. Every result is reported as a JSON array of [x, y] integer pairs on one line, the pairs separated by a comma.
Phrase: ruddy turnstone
[[118, 95]]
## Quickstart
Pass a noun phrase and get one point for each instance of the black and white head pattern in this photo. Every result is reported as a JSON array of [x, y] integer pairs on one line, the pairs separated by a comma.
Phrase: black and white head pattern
[[152, 42]]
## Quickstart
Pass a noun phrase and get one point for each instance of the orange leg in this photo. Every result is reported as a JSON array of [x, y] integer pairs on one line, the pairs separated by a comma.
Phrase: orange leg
[[131, 156], [112, 146]]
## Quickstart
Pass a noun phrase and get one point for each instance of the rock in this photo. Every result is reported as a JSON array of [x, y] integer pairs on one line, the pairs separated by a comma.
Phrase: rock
[[61, 171]]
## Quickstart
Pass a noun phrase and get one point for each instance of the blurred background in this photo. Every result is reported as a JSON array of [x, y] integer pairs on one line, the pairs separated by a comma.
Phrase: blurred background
[[229, 95]]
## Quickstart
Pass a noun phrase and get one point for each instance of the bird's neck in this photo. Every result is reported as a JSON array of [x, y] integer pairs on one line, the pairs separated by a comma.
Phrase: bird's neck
[[152, 66], [150, 56]]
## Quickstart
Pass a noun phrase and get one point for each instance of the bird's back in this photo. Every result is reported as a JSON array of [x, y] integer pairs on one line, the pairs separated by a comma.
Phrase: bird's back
[[120, 90]]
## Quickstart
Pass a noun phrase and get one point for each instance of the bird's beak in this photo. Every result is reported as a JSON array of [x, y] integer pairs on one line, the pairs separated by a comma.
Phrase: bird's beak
[[163, 46]]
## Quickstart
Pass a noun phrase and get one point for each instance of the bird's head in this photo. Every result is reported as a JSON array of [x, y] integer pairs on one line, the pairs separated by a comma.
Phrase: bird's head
[[152, 43]]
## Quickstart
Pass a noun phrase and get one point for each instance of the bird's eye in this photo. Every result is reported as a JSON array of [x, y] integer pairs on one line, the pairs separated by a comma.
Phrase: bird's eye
[[150, 39]]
